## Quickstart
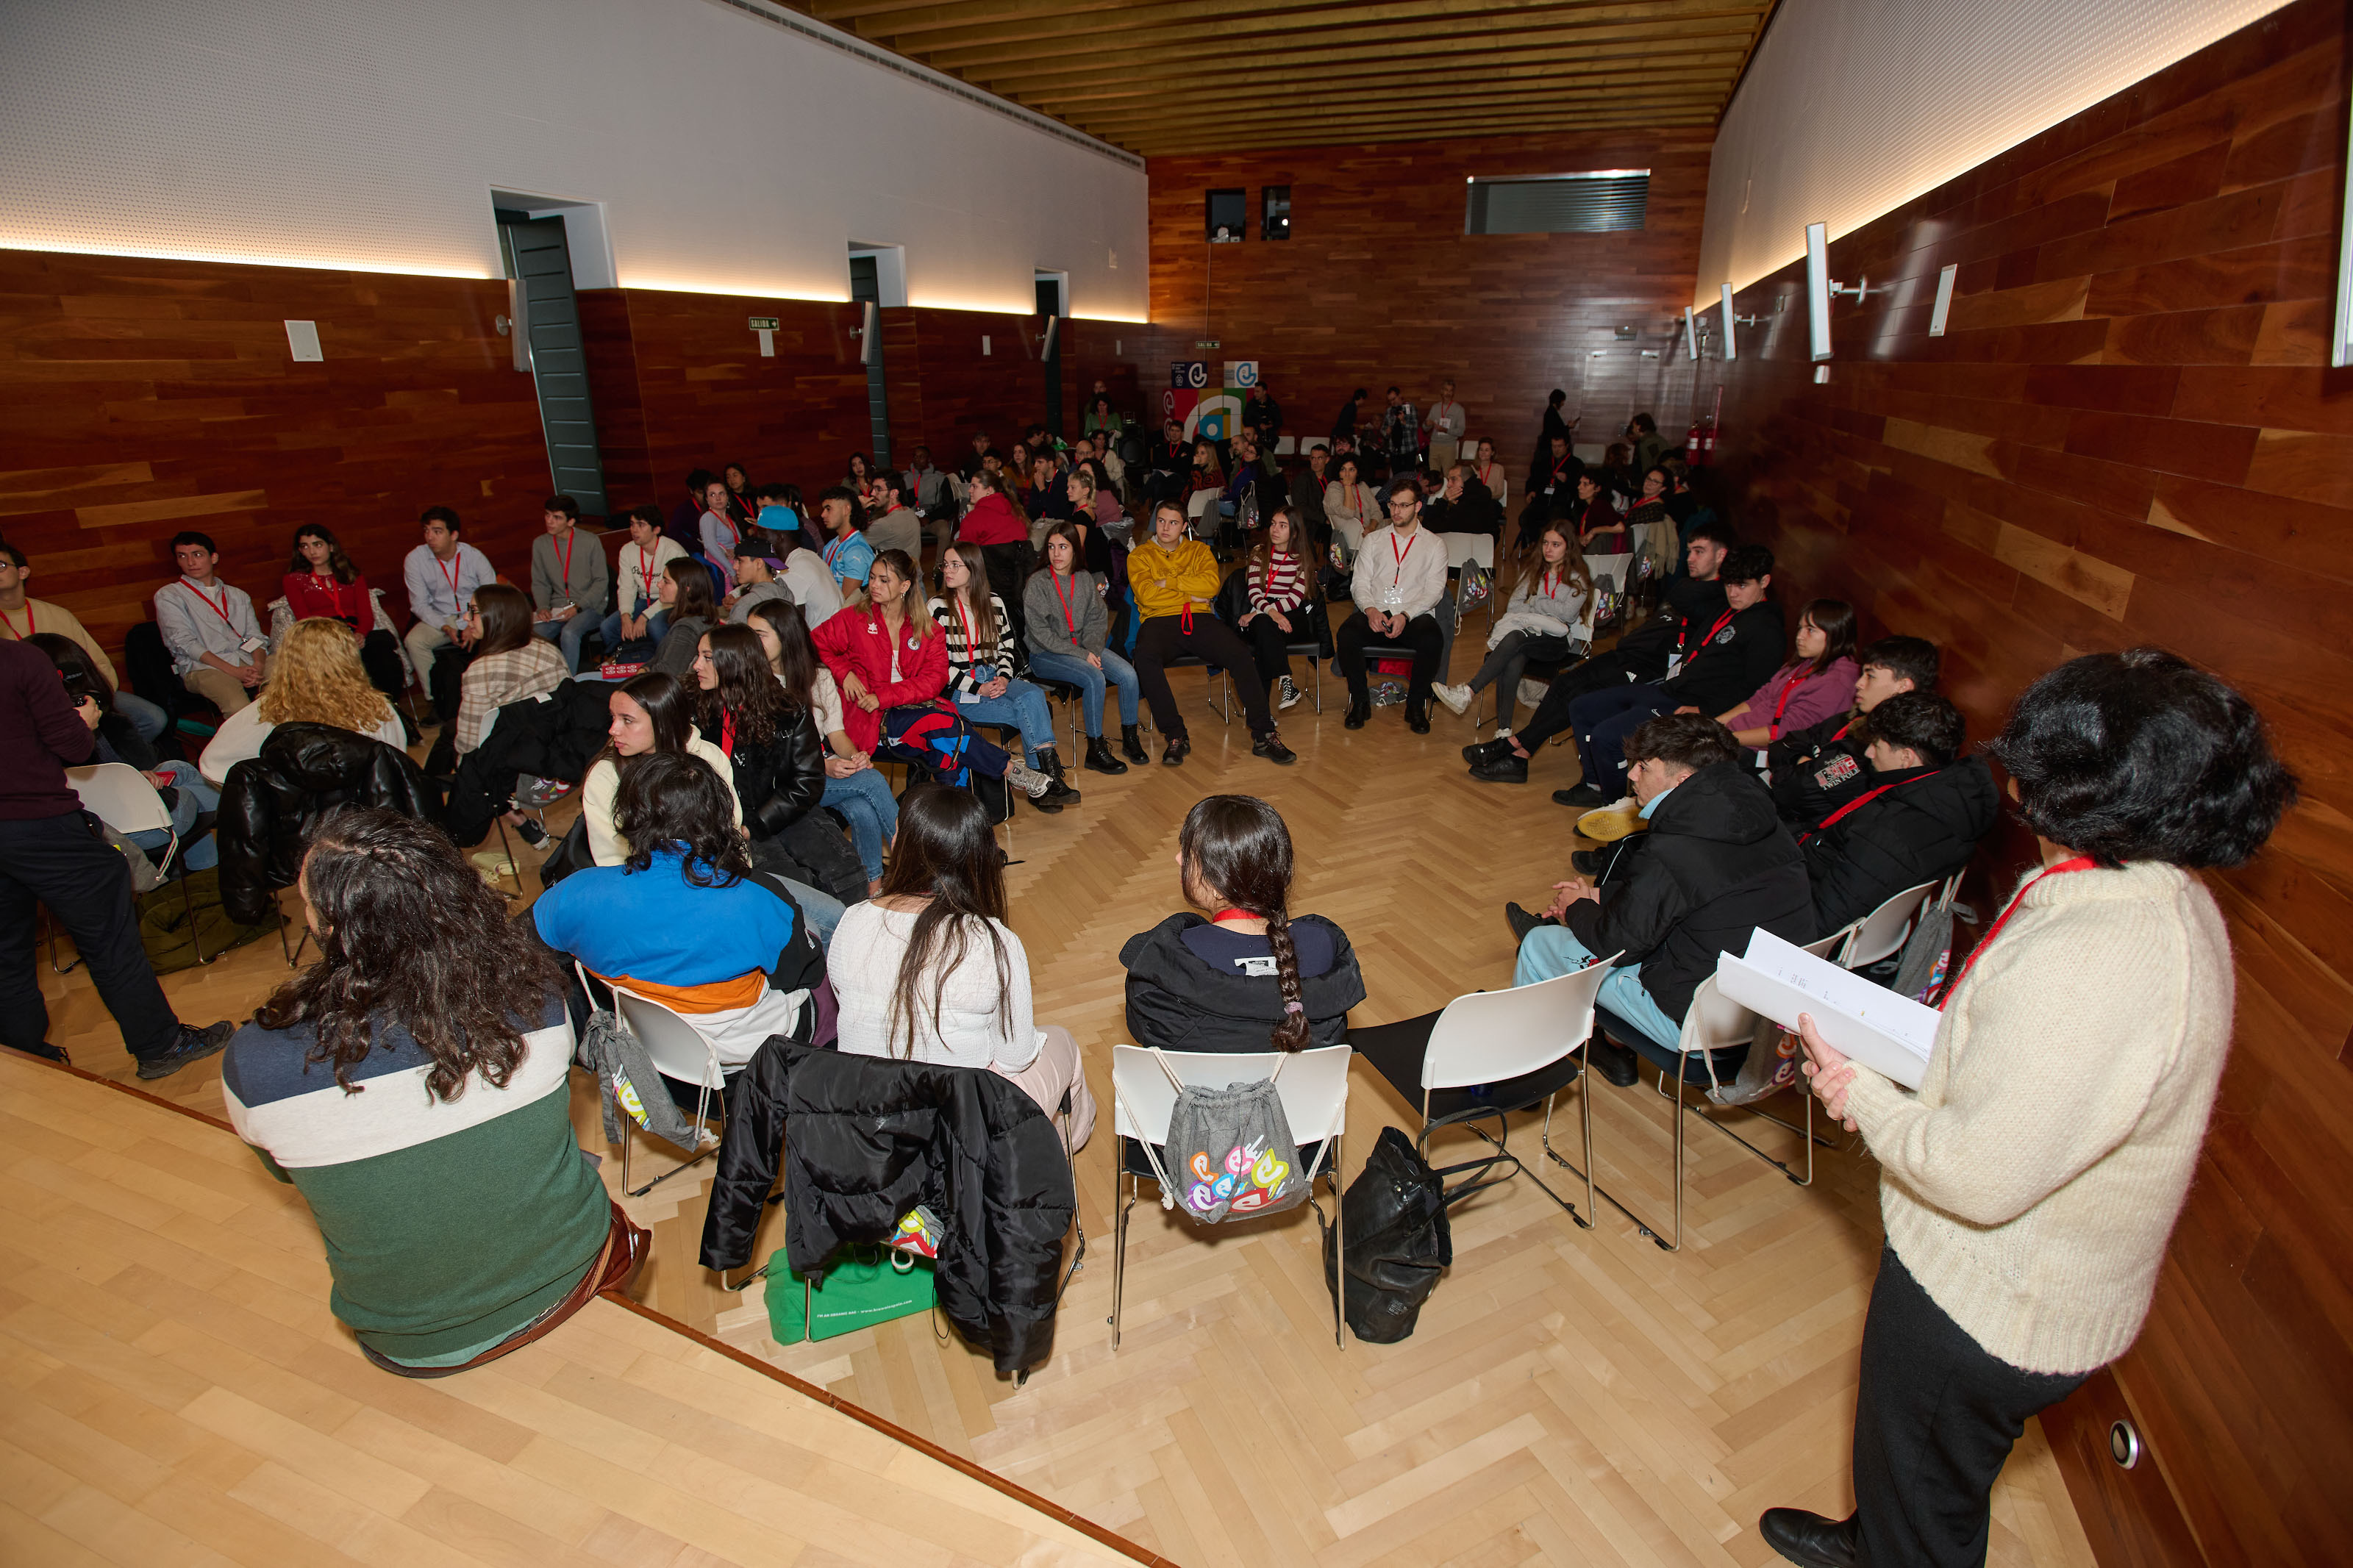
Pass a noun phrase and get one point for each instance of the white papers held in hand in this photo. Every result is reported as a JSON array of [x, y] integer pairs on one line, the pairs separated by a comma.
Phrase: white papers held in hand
[[1889, 1034]]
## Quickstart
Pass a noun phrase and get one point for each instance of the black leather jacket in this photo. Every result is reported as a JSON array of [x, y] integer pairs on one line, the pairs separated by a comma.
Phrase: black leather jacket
[[271, 802], [779, 782]]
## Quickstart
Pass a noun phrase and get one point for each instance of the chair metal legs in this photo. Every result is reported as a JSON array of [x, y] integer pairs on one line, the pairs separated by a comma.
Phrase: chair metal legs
[[1119, 1242], [1119, 1250], [1485, 1166], [701, 1113], [1594, 1190], [1806, 1133]]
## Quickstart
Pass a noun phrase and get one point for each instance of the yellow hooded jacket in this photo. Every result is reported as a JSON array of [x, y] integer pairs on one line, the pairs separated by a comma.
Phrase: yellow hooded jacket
[[1164, 581]]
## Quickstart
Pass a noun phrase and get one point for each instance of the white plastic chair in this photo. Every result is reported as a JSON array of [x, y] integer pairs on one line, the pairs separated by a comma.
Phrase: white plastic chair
[[1489, 1054], [1716, 1022], [1885, 929], [678, 1049], [1313, 1085], [1473, 549], [120, 795]]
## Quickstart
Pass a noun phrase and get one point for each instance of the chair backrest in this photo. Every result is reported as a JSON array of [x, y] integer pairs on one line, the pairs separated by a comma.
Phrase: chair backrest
[[120, 795], [1716, 1022], [1465, 548], [1883, 930], [1199, 503], [1493, 1036], [1313, 1087], [677, 1048]]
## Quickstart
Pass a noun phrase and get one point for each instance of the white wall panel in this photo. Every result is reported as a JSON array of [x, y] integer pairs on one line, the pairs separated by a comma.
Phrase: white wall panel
[[1852, 108], [728, 154]]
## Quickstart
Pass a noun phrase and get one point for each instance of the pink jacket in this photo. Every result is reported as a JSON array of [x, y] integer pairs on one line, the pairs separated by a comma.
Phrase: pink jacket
[[1814, 698]]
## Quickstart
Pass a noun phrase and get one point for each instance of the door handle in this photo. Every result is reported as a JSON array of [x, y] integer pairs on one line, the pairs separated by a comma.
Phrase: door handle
[[518, 323]]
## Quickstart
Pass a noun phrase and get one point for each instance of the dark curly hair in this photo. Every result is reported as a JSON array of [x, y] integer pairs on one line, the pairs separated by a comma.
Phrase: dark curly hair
[[1920, 722], [411, 938], [2141, 756], [672, 800], [1691, 740], [747, 689]]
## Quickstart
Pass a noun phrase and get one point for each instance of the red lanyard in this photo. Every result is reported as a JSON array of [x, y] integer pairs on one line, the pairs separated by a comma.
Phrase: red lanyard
[[727, 735], [644, 569], [2080, 863], [1397, 572], [30, 627], [1068, 619], [1857, 804], [1266, 584], [220, 609], [964, 621], [1783, 706], [1224, 915], [1485, 472], [448, 569], [1721, 621], [1550, 584], [566, 547]]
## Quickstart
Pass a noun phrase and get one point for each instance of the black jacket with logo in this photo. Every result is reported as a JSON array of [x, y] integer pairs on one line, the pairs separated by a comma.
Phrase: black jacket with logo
[[1923, 829], [1726, 670], [1817, 769], [1178, 1002]]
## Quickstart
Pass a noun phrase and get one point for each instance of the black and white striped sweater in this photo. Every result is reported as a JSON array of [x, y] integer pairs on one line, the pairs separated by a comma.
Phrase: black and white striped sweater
[[964, 682]]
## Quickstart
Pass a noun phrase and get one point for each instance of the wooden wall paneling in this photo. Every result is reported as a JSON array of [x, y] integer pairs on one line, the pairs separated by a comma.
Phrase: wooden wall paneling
[[139, 397], [612, 356], [1379, 285], [2129, 436]]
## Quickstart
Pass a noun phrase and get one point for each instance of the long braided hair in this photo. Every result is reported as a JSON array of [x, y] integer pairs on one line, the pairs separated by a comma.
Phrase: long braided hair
[[1235, 848]]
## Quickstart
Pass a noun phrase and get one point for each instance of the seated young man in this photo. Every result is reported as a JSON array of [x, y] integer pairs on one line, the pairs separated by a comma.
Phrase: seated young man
[[756, 580], [1814, 771], [685, 920], [1690, 602], [848, 556], [1918, 821], [1400, 576], [218, 649], [21, 617], [893, 524], [1715, 865]]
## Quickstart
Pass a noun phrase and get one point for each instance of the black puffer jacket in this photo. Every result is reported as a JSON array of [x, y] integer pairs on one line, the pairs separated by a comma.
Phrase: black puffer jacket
[[1817, 769], [865, 1140], [1719, 674], [1715, 865], [1923, 829], [777, 782], [556, 736], [1178, 1002], [270, 803]]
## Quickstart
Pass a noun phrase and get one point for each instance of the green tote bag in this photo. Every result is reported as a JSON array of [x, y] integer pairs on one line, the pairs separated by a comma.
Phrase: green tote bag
[[867, 1285]]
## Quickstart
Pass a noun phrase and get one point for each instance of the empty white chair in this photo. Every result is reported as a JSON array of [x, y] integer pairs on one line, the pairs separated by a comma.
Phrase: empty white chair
[[120, 795], [1885, 929], [1313, 1085]]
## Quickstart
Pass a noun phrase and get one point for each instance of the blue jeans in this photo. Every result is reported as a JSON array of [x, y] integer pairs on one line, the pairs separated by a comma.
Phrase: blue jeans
[[1023, 705], [1550, 951], [656, 624], [196, 796], [1091, 682], [569, 634], [1601, 720], [145, 717], [865, 802], [823, 910]]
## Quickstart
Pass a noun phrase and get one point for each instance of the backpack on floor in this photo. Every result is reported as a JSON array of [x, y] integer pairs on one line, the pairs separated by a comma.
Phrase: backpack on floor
[[1398, 1241]]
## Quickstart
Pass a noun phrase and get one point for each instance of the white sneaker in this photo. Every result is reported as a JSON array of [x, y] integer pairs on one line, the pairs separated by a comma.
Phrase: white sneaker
[[1456, 698], [1290, 694], [1533, 692], [1027, 779]]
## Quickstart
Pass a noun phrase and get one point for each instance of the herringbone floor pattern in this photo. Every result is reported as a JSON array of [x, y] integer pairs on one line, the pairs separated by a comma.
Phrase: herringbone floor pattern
[[1570, 1395]]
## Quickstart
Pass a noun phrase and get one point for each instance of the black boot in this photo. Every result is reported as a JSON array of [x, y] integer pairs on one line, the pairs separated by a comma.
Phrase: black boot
[[1099, 757], [1130, 744], [1810, 1539], [1177, 750], [1059, 791]]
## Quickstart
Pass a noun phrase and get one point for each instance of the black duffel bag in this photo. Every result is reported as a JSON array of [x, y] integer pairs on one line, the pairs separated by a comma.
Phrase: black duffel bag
[[1399, 1242]]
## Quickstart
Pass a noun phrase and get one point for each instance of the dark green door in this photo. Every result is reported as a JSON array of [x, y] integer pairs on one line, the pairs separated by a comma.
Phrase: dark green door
[[537, 257], [866, 289]]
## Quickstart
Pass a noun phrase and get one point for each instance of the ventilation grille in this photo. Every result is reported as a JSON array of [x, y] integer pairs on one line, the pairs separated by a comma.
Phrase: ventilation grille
[[1558, 203]]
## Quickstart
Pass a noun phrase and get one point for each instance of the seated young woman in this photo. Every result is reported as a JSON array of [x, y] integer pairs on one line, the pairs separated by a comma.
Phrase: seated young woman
[[892, 666], [315, 677], [508, 663], [1547, 605], [1600, 530], [1818, 682], [980, 653], [1279, 579], [1349, 504], [1175, 580], [435, 1148], [1069, 632], [689, 607], [776, 769], [320, 583], [854, 787], [928, 971], [651, 712], [184, 790], [1251, 977], [685, 920]]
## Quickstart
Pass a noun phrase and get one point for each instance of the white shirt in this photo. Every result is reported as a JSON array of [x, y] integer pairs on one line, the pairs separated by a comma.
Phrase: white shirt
[[810, 582], [241, 733], [979, 1026], [1400, 573], [639, 572], [197, 620]]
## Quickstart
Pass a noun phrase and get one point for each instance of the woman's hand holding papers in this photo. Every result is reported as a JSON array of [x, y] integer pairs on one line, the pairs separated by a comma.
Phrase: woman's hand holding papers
[[1831, 1072]]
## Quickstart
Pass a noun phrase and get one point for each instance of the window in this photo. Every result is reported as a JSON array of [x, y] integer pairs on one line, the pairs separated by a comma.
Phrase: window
[[1557, 203], [1227, 215], [1274, 212]]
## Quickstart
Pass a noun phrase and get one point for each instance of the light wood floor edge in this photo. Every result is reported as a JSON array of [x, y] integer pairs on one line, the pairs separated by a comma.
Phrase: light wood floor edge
[[773, 1373]]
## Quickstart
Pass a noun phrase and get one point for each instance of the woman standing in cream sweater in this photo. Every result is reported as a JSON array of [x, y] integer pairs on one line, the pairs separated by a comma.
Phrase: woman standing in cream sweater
[[2031, 1184]]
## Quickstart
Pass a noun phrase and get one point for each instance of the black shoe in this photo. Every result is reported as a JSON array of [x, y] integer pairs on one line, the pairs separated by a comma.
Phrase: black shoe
[[193, 1045], [1620, 1066], [1060, 791], [1178, 749], [1586, 861], [530, 832], [48, 1053], [1810, 1539], [1486, 752], [1130, 744], [1269, 746], [1522, 922], [1057, 795], [1358, 713], [1505, 769], [1418, 722], [1099, 758], [1585, 798], [407, 727]]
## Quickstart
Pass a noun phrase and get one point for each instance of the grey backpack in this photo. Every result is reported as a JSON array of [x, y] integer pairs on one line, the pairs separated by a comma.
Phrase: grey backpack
[[1232, 1149]]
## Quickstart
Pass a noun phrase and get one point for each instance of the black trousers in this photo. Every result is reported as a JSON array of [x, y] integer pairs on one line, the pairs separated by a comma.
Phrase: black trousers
[[1599, 673], [380, 656], [59, 861], [1271, 645], [445, 681], [1163, 637], [1421, 636], [1935, 1417]]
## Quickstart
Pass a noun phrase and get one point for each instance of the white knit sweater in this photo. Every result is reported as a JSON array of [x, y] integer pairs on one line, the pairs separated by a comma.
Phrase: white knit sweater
[[2032, 1183]]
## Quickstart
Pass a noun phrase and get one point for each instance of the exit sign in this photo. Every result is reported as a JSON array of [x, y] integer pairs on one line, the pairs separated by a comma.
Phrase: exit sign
[[1204, 342], [763, 323]]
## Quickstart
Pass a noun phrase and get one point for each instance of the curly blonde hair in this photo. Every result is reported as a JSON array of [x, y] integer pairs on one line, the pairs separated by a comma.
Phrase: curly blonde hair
[[316, 677]]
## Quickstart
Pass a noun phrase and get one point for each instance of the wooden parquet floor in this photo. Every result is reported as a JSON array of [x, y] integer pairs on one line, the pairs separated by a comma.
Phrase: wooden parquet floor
[[1570, 1396]]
